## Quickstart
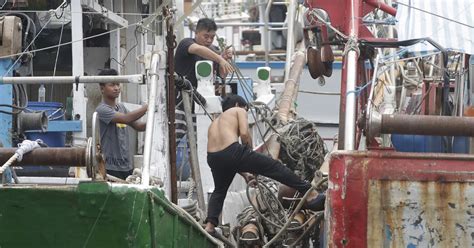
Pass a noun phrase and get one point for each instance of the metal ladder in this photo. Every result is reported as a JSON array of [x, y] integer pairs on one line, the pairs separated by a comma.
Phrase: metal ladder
[[290, 40]]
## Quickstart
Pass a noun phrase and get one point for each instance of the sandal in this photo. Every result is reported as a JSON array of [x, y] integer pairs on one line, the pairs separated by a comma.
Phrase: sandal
[[317, 204]]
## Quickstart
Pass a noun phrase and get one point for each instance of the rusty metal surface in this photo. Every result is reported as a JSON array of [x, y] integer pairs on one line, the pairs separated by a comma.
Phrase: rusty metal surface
[[420, 214], [391, 199], [427, 125], [48, 156]]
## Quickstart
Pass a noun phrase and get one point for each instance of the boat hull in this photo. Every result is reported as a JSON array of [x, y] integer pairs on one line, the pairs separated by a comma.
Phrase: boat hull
[[93, 214]]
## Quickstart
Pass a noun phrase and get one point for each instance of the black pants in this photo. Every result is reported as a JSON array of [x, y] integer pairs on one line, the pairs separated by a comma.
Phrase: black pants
[[238, 158], [120, 174]]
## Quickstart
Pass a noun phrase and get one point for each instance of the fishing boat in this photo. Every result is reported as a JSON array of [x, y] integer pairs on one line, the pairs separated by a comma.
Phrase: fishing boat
[[367, 99]]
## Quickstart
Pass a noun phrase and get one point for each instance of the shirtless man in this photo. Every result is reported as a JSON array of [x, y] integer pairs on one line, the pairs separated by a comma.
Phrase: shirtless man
[[226, 157]]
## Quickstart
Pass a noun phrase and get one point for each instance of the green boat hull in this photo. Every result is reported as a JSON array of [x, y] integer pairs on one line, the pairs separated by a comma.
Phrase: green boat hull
[[94, 214]]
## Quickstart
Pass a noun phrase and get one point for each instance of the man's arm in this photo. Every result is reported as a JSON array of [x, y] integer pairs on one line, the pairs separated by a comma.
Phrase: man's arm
[[244, 127], [139, 126], [224, 66], [130, 117]]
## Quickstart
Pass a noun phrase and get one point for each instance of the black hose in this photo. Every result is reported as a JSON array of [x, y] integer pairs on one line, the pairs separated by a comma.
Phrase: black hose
[[184, 84]]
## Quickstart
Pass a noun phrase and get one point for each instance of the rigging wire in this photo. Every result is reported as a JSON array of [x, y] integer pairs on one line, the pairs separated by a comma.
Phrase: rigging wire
[[57, 53], [70, 42], [440, 16], [31, 43]]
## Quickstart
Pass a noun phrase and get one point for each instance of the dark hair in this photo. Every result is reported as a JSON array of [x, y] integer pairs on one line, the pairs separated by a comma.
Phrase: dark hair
[[107, 72], [206, 24], [230, 100]]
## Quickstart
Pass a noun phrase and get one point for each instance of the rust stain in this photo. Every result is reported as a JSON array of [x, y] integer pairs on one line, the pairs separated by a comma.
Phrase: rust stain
[[375, 228]]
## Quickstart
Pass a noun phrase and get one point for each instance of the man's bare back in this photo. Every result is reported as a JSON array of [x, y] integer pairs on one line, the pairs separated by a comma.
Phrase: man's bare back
[[227, 128]]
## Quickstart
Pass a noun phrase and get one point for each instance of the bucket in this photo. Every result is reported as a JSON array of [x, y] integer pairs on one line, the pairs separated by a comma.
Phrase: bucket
[[54, 112]]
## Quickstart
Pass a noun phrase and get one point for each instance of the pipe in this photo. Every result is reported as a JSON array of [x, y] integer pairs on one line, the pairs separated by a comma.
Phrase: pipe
[[350, 108], [193, 147], [426, 125], [351, 75], [48, 157], [150, 119], [290, 37], [124, 79]]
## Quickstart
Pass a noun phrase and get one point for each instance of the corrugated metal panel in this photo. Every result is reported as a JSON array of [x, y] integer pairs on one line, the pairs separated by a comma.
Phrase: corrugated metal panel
[[414, 23], [392, 199]]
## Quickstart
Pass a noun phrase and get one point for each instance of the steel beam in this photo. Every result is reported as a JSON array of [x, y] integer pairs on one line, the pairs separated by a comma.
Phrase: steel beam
[[79, 97]]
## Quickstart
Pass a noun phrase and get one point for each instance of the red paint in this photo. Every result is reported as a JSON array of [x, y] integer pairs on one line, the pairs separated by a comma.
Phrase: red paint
[[353, 171]]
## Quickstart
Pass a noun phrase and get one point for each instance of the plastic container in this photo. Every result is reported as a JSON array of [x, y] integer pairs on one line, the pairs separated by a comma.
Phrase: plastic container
[[42, 94], [422, 143]]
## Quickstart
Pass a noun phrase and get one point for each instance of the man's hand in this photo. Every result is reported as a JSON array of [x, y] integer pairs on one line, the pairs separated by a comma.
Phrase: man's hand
[[249, 179], [225, 66], [227, 54]]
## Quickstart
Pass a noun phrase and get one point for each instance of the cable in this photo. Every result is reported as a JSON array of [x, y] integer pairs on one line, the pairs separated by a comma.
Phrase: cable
[[16, 61], [440, 16], [70, 42], [57, 57], [31, 24], [131, 48], [297, 209]]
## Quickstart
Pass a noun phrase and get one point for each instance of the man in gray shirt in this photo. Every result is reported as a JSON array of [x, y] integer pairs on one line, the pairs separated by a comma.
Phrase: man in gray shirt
[[114, 119]]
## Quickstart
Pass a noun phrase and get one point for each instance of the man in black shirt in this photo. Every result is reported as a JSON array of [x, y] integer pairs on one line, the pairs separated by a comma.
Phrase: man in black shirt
[[190, 50]]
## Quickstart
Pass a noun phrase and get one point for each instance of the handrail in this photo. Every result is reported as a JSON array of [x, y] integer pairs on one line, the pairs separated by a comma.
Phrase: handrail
[[134, 79], [95, 141]]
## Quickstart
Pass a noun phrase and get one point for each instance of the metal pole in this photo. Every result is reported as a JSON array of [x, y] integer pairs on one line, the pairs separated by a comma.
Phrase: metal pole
[[124, 79], [193, 147], [290, 37], [79, 97], [427, 125], [73, 156], [171, 44], [351, 75], [350, 108], [266, 41], [150, 119]]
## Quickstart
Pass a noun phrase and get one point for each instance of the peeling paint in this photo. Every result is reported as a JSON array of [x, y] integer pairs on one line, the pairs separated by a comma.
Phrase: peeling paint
[[420, 214]]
